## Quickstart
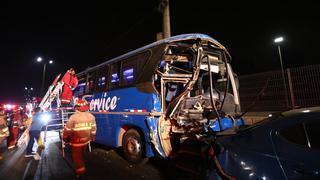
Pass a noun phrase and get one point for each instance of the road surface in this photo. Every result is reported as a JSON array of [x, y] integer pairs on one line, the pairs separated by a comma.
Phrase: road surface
[[101, 163]]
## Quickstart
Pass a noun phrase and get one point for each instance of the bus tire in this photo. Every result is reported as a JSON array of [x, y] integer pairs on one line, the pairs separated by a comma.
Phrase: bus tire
[[133, 149]]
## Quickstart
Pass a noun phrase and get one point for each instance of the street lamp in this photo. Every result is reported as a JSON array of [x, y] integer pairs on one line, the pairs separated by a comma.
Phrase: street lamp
[[278, 41], [39, 59], [28, 93]]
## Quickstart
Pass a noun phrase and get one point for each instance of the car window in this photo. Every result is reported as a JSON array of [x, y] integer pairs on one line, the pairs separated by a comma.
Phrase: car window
[[313, 129], [294, 134]]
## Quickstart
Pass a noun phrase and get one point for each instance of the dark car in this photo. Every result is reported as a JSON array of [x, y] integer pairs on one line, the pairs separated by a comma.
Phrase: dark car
[[284, 146]]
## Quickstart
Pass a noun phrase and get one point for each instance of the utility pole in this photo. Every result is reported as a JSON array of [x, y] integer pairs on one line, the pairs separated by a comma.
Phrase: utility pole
[[166, 19]]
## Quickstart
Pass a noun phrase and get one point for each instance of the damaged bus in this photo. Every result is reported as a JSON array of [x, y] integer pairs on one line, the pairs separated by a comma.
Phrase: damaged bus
[[150, 100]]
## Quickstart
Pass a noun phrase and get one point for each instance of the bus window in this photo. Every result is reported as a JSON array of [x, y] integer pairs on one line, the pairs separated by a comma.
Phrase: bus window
[[177, 63], [101, 82], [140, 60], [79, 91], [115, 75], [101, 79], [173, 90], [128, 72], [90, 83]]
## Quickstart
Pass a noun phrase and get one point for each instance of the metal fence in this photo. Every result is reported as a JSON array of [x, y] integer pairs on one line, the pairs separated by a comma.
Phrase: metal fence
[[299, 88]]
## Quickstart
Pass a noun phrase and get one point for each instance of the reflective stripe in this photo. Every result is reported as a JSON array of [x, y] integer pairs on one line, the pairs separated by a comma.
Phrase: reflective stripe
[[5, 129], [80, 169], [81, 128], [138, 110], [68, 129], [79, 144]]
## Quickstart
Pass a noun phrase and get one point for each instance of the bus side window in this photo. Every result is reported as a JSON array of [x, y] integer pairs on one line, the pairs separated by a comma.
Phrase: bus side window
[[101, 79], [79, 91], [114, 75], [128, 72], [90, 83], [140, 61], [86, 89], [173, 90], [101, 83]]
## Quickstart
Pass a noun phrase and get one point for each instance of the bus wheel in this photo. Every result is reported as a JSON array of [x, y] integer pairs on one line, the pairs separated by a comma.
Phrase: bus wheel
[[132, 146]]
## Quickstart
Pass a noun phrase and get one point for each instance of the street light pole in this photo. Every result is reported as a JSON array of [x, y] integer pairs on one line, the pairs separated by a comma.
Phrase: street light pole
[[39, 59], [43, 78], [278, 40]]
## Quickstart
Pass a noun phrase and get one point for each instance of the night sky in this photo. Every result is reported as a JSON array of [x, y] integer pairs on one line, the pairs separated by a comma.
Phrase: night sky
[[81, 35]]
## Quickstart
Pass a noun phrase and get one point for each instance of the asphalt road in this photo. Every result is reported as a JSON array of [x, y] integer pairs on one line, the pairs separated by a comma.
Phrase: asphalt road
[[101, 163]]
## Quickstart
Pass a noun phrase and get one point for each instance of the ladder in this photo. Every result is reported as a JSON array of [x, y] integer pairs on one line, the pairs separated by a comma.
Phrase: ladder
[[52, 94], [64, 118], [59, 124]]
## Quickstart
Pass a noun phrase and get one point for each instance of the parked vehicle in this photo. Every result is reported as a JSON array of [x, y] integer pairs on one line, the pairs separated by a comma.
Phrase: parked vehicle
[[283, 146]]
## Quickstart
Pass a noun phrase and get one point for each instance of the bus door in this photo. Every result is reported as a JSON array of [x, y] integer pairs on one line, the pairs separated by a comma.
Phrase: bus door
[[175, 73]]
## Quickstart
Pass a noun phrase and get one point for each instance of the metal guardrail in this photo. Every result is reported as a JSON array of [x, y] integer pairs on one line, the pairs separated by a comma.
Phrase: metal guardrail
[[302, 84]]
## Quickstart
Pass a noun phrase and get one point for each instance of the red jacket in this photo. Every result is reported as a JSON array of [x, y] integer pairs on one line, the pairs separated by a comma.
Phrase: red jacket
[[4, 131], [17, 119], [70, 80], [80, 128]]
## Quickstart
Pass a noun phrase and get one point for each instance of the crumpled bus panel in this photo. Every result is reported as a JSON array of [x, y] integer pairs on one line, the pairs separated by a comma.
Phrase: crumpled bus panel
[[191, 112], [154, 135], [195, 82]]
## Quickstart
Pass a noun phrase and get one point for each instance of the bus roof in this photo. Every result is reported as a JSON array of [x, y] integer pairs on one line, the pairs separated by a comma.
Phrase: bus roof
[[182, 37]]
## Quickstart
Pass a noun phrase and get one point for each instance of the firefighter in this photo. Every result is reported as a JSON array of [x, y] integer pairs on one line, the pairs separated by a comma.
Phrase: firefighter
[[14, 126], [34, 132], [70, 83], [22, 118], [79, 131], [4, 131], [25, 135]]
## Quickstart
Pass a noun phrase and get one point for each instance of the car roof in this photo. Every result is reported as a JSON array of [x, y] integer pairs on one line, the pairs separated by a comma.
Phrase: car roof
[[277, 117], [289, 115], [297, 112]]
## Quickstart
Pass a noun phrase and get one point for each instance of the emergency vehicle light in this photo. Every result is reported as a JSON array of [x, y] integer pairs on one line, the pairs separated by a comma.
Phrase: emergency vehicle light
[[9, 106]]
